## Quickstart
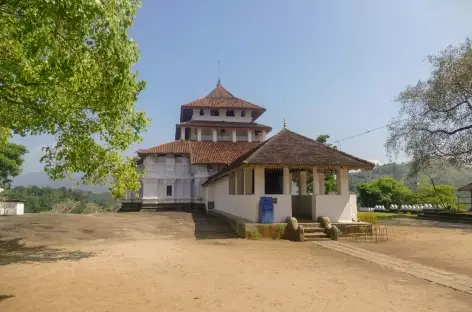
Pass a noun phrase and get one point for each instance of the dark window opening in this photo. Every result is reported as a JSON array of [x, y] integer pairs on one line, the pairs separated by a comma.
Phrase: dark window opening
[[243, 114], [202, 112], [258, 132], [214, 112], [222, 130], [230, 113], [169, 190], [274, 181]]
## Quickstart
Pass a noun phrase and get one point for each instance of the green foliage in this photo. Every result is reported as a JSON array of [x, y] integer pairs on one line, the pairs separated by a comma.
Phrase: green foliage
[[384, 191], [280, 231], [435, 118], [369, 217], [66, 70], [11, 160], [438, 195], [330, 181], [39, 199], [440, 175], [254, 234], [71, 206]]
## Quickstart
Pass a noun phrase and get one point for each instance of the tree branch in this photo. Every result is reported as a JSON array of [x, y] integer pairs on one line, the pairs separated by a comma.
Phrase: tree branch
[[444, 131]]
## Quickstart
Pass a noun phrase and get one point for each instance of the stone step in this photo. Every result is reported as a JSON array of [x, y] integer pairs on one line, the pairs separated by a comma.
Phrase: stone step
[[315, 236], [311, 225], [313, 230]]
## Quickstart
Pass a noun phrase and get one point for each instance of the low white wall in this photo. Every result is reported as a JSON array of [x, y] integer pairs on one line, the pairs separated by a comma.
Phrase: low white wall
[[12, 208], [246, 206], [338, 208]]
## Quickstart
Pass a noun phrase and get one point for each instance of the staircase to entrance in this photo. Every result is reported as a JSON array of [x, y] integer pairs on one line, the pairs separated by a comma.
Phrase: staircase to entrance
[[314, 231]]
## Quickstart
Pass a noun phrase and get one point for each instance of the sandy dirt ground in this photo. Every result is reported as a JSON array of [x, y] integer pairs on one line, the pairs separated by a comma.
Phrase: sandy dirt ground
[[446, 246], [176, 261]]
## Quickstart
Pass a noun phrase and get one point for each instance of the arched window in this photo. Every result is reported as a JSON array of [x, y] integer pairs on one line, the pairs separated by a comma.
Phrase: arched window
[[243, 114], [202, 112]]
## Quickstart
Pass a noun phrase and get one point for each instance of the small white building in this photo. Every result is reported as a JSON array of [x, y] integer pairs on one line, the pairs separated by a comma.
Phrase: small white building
[[222, 161]]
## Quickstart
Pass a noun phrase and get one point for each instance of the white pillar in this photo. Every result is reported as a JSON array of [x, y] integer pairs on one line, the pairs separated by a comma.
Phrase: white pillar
[[264, 133], [182, 133], [302, 182], [236, 182], [342, 182], [286, 181], [234, 135], [316, 182], [199, 134], [249, 135], [248, 181], [215, 135], [321, 177], [259, 181]]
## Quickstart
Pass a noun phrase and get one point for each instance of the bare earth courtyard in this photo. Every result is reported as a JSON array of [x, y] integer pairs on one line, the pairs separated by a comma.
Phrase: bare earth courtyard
[[176, 261]]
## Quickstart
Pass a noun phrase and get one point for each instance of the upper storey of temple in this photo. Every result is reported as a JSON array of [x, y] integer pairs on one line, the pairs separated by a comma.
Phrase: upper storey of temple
[[220, 105], [220, 116]]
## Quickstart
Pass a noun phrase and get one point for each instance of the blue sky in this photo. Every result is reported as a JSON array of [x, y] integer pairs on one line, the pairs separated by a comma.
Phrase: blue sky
[[330, 67]]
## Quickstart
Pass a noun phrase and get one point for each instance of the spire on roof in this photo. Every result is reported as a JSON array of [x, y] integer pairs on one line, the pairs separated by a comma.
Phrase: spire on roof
[[220, 92], [285, 123]]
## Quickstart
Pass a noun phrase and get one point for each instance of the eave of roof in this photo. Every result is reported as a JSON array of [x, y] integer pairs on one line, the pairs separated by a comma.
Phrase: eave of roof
[[467, 187], [219, 97], [223, 124], [293, 150]]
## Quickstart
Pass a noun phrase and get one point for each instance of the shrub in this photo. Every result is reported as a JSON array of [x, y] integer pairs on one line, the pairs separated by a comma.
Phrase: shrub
[[369, 217], [280, 231], [255, 235]]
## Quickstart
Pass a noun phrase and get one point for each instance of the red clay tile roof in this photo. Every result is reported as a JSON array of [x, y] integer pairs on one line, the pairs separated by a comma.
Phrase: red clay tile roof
[[467, 187], [176, 147], [222, 98], [218, 152], [223, 124], [288, 148], [203, 152]]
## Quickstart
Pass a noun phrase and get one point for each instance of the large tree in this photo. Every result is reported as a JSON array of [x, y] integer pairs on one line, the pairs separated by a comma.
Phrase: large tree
[[11, 159], [435, 118], [384, 191], [66, 70]]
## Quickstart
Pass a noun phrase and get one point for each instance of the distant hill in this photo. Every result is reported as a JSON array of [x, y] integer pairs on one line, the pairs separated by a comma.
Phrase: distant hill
[[446, 175], [40, 179]]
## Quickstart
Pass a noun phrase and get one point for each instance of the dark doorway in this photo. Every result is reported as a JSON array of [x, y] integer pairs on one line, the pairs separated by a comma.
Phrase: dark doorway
[[274, 181]]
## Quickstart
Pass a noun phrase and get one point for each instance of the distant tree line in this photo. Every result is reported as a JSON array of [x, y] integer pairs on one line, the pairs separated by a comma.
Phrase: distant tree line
[[387, 191], [38, 199]]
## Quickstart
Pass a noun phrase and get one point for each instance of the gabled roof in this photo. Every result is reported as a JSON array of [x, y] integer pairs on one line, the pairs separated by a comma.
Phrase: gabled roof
[[222, 98], [203, 152], [467, 187], [288, 148]]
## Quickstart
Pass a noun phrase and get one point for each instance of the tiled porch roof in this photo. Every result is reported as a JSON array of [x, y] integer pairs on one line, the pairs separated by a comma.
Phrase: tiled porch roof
[[203, 152], [291, 149]]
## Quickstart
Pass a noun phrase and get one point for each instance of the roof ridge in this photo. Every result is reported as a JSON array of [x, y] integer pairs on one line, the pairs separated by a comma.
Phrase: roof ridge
[[329, 147]]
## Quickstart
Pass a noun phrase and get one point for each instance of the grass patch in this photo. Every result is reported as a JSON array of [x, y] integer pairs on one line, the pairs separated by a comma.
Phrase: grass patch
[[365, 216]]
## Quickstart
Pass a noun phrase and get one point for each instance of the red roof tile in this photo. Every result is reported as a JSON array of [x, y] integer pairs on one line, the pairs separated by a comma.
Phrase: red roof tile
[[203, 152], [222, 98], [218, 152], [467, 187], [288, 148], [176, 147]]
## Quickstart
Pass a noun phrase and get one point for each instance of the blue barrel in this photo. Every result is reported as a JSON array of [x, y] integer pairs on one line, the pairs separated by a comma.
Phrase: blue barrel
[[266, 210]]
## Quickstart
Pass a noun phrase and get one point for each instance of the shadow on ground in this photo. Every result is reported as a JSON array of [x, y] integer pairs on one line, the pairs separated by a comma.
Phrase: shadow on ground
[[5, 297], [211, 227], [13, 251]]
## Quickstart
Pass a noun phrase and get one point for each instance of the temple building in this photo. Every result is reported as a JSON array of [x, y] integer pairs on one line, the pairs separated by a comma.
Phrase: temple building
[[221, 160]]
